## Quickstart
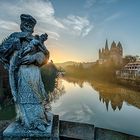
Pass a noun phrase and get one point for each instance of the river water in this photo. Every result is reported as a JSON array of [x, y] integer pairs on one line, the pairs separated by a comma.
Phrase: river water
[[104, 105]]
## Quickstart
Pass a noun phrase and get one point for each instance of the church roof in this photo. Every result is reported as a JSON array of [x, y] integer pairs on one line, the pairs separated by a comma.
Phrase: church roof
[[106, 45], [119, 45], [113, 45]]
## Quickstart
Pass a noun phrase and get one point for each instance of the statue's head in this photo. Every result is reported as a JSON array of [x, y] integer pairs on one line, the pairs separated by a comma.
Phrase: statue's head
[[27, 23]]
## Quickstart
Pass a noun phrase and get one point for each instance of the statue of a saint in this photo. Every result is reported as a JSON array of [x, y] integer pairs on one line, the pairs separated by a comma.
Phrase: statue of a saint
[[23, 54]]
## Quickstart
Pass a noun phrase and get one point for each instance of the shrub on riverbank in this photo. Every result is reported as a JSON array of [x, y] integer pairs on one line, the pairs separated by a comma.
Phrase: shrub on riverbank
[[49, 73]]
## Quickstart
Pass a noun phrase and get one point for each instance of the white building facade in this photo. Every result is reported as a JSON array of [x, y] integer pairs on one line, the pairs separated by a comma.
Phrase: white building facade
[[130, 71]]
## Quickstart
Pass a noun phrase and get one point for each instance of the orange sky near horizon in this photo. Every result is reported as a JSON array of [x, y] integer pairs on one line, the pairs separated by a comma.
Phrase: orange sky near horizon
[[60, 53], [60, 56]]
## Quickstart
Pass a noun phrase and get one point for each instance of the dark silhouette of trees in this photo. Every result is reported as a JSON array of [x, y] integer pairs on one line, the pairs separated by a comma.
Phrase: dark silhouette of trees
[[129, 58]]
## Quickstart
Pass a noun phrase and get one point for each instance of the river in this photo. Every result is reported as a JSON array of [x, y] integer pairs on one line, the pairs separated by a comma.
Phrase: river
[[104, 105]]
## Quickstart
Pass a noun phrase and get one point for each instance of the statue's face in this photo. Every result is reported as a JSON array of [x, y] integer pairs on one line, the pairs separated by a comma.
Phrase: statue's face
[[27, 27]]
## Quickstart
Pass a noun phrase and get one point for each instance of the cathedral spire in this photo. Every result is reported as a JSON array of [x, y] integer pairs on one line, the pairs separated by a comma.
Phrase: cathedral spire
[[106, 45], [100, 53], [119, 45], [120, 48], [113, 45]]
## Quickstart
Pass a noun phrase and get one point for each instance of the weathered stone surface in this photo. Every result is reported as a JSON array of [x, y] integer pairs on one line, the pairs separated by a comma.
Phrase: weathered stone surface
[[65, 130], [23, 54], [55, 129], [16, 131], [76, 130], [105, 134]]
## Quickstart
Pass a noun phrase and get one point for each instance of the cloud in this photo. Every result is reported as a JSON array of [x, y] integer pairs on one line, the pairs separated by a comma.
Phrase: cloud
[[53, 35], [89, 3], [78, 25], [107, 1], [112, 17], [8, 25], [44, 12], [110, 1], [87, 30]]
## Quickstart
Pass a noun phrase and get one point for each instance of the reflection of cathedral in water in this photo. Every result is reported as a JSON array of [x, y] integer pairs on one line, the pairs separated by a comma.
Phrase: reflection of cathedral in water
[[115, 96], [109, 94], [115, 102]]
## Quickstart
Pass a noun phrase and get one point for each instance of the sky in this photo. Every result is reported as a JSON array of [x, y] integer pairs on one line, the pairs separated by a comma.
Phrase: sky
[[77, 28]]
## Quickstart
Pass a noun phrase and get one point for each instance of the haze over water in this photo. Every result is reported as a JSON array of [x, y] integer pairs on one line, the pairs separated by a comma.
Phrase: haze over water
[[106, 106]]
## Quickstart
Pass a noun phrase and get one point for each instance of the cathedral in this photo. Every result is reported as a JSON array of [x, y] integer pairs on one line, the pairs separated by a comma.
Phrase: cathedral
[[114, 54]]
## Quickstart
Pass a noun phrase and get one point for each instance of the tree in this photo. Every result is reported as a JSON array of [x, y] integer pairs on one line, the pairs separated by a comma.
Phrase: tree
[[129, 58]]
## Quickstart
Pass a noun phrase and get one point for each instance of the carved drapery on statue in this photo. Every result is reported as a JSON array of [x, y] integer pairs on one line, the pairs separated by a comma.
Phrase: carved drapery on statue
[[23, 54]]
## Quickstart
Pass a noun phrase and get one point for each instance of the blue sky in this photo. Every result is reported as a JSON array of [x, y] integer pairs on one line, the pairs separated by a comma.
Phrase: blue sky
[[77, 28]]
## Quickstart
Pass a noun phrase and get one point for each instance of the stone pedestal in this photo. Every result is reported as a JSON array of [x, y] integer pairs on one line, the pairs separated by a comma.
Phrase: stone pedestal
[[17, 132]]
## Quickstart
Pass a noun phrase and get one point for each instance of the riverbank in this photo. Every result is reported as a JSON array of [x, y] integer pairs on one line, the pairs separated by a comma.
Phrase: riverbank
[[102, 74], [129, 83]]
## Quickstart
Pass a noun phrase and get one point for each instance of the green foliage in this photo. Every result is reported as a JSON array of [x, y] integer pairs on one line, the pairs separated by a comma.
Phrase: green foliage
[[49, 73], [129, 58], [7, 113]]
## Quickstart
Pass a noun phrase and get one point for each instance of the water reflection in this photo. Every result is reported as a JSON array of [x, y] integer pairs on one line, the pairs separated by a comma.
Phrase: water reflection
[[104, 105], [110, 94], [57, 91]]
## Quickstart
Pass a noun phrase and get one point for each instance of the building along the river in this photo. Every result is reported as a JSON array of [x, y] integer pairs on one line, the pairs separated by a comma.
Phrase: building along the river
[[130, 71]]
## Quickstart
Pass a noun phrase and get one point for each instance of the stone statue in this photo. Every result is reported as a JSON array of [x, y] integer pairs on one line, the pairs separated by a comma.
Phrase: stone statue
[[23, 54]]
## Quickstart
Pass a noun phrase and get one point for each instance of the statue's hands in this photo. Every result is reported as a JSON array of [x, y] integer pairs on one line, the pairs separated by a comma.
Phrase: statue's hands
[[44, 37], [35, 42], [27, 49], [27, 60], [16, 44]]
